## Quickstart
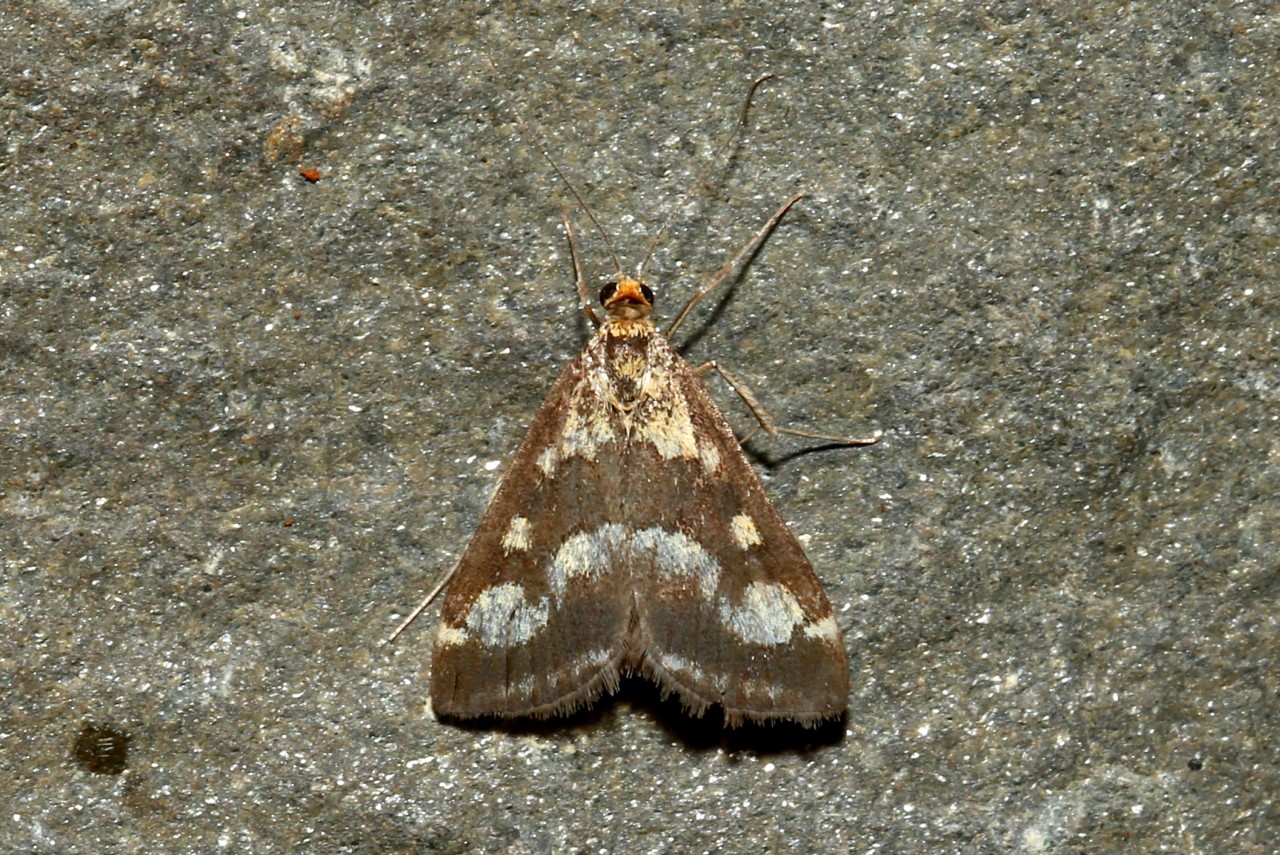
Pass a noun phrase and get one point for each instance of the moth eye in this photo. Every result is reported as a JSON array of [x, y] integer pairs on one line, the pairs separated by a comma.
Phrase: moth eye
[[607, 292], [648, 294]]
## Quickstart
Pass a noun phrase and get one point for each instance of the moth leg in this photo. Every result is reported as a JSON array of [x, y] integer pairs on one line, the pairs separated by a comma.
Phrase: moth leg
[[736, 262], [762, 415], [435, 592]]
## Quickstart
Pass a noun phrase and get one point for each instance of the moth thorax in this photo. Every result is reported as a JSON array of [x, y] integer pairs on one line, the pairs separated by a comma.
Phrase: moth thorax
[[627, 366], [627, 299]]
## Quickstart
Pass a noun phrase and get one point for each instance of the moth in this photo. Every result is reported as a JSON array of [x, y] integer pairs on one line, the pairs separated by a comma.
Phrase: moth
[[630, 535]]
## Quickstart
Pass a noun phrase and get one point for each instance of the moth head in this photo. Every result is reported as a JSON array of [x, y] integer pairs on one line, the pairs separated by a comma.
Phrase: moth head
[[627, 299]]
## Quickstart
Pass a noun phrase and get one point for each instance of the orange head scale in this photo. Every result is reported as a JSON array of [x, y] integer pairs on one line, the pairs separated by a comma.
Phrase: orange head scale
[[627, 299]]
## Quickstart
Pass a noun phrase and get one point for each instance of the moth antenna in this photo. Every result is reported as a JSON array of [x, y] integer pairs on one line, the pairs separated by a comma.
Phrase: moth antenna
[[584, 301], [701, 177], [546, 155]]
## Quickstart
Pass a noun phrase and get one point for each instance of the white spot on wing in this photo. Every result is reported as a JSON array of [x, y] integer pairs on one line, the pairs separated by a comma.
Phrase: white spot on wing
[[590, 661], [547, 460], [761, 689], [827, 628], [582, 667], [680, 667], [517, 537], [591, 554], [678, 554], [744, 531], [586, 554], [500, 617], [768, 615], [710, 457], [450, 636], [522, 689]]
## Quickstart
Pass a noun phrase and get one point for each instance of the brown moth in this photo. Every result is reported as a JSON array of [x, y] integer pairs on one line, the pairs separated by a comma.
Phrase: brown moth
[[630, 535]]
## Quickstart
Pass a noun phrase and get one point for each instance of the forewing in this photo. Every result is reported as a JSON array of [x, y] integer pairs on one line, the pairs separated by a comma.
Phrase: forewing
[[534, 621], [730, 610]]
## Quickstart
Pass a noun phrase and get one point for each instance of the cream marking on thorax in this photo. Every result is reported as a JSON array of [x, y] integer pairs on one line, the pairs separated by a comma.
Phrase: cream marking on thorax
[[652, 415]]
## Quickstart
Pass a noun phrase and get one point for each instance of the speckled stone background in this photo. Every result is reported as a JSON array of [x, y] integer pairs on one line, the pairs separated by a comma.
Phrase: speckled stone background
[[247, 419]]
